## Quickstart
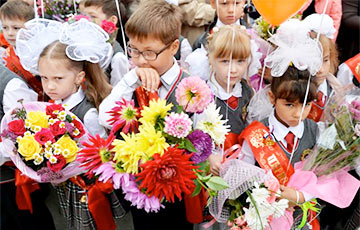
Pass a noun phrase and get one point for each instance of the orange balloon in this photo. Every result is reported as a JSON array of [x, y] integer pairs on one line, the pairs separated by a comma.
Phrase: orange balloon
[[276, 12]]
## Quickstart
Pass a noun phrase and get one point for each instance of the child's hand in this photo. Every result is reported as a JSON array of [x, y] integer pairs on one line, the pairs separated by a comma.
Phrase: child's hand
[[290, 194], [149, 78], [267, 74], [215, 163]]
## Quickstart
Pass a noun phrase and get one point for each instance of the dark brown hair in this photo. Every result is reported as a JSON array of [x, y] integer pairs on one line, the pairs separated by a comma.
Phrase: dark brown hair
[[108, 7], [96, 86], [17, 10], [292, 85], [157, 19]]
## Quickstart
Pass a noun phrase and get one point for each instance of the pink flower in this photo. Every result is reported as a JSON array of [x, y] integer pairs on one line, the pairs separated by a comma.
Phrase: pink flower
[[240, 221], [273, 186], [177, 125], [193, 94], [44, 135], [108, 26], [124, 116]]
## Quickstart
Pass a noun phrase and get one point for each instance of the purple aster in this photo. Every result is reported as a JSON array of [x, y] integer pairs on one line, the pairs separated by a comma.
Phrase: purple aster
[[202, 143]]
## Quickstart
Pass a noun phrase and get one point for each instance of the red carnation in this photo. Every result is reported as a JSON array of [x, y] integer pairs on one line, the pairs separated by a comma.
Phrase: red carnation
[[168, 175], [17, 127], [53, 107], [80, 127], [60, 163], [56, 129], [108, 26], [44, 135]]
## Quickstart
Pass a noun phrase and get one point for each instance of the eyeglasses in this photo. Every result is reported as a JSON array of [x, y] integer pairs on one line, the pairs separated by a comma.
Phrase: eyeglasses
[[148, 55]]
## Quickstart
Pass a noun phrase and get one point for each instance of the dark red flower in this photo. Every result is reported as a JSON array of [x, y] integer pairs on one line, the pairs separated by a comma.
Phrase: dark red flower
[[44, 135], [53, 107], [95, 152], [61, 162], [56, 129], [108, 26], [17, 127], [168, 175]]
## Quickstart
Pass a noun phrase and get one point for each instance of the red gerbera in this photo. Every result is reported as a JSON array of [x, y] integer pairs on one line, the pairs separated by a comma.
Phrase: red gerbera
[[96, 152], [124, 116], [168, 175]]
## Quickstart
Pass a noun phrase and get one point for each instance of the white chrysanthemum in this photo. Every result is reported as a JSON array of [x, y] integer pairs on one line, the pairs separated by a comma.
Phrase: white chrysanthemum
[[259, 195], [27, 124], [280, 207], [66, 153], [27, 133], [18, 139], [57, 152], [38, 160], [76, 132], [255, 221], [53, 160], [62, 125], [52, 121], [48, 155], [48, 144], [210, 122]]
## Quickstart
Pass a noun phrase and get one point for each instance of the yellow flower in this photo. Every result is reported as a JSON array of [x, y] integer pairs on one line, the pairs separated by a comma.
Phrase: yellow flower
[[151, 141], [28, 146], [66, 143], [157, 109], [36, 118], [127, 152]]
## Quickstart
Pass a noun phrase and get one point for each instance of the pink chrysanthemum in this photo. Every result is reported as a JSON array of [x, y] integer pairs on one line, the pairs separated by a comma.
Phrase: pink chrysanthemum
[[193, 94], [124, 116], [177, 125]]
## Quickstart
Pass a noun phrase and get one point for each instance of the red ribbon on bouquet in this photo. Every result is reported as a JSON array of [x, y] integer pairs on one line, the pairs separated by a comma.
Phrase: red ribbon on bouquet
[[98, 203], [24, 187]]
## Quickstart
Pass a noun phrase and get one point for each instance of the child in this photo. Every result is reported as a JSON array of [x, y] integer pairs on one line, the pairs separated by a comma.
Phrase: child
[[77, 81], [105, 10], [13, 15], [227, 12], [233, 103], [153, 31]]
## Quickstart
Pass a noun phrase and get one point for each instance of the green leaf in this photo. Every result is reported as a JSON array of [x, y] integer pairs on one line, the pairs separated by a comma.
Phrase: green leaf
[[209, 201], [203, 165], [189, 146], [217, 183], [179, 109], [197, 189]]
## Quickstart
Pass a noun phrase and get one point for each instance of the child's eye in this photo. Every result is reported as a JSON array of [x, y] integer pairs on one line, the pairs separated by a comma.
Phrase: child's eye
[[225, 61], [289, 105], [5, 27], [17, 28], [308, 104], [43, 78], [241, 60], [58, 78]]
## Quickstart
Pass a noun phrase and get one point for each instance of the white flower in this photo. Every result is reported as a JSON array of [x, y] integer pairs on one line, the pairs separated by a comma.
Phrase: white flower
[[280, 207], [48, 155], [38, 160], [27, 124], [57, 151], [65, 153], [48, 144], [210, 122], [18, 139], [27, 133], [52, 121], [76, 132], [255, 221], [53, 160], [62, 125]]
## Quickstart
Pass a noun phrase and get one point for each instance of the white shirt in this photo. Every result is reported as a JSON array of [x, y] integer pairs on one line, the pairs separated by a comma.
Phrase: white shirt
[[220, 92], [323, 88], [126, 87], [279, 131], [119, 67], [15, 90], [344, 75], [91, 118], [221, 24]]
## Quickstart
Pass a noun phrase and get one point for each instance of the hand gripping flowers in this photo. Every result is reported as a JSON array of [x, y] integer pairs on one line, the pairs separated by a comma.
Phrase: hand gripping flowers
[[157, 152], [43, 140]]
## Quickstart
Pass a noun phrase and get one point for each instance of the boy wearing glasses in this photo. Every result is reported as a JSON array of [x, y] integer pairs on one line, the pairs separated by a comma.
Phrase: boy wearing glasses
[[153, 31]]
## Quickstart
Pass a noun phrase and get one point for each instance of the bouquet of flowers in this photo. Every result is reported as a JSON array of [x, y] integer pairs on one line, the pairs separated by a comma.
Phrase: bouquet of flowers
[[59, 10], [336, 152], [251, 201], [42, 140], [157, 155]]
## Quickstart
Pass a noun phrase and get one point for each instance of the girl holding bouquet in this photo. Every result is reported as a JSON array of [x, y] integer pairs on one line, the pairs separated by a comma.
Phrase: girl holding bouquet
[[229, 62], [71, 72]]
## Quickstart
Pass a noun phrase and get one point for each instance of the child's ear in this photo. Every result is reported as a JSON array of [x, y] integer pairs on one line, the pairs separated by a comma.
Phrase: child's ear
[[80, 77], [272, 97], [113, 19], [174, 47]]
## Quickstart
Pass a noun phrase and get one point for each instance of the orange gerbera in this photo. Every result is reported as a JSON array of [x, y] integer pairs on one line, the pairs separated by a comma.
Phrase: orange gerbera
[[168, 175]]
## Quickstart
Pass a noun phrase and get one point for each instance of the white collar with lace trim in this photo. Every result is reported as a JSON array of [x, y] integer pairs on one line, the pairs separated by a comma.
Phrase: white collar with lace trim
[[220, 24], [221, 93], [73, 100], [280, 131]]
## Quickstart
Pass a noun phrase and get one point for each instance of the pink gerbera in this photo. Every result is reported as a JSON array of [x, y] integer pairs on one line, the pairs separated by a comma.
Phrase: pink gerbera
[[193, 94], [124, 116], [177, 125]]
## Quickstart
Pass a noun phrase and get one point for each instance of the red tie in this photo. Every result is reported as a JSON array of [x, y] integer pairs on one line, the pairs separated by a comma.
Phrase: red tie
[[290, 141], [233, 102], [319, 101]]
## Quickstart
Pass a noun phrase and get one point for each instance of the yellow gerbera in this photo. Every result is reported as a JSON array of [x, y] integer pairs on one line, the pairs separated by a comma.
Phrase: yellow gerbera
[[151, 141], [157, 109], [128, 153]]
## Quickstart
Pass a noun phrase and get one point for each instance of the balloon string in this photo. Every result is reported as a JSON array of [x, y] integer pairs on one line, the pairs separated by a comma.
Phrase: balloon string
[[122, 32]]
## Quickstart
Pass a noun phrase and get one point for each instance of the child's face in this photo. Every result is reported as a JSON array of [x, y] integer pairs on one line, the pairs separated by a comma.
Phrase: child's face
[[288, 113], [228, 11], [10, 28], [58, 81], [325, 68], [221, 67], [97, 15], [165, 57]]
